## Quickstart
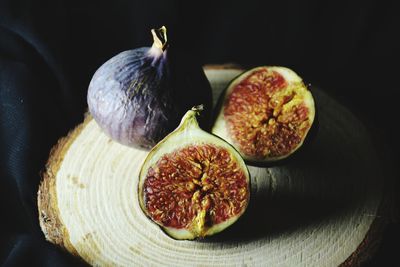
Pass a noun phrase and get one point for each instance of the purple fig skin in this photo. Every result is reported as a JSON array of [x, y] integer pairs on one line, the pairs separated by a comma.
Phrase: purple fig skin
[[139, 96]]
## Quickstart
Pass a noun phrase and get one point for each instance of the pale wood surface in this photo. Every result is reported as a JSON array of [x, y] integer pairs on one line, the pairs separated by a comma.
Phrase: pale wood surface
[[312, 211]]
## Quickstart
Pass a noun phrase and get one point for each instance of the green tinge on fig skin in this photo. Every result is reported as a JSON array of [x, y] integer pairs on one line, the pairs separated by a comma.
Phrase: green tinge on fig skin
[[138, 96], [219, 127], [188, 133]]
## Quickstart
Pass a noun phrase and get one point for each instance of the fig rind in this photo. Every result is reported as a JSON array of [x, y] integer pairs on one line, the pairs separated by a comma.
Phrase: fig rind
[[139, 96], [292, 84], [186, 135]]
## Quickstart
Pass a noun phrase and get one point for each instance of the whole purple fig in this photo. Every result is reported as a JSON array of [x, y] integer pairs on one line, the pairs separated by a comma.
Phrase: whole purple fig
[[139, 96]]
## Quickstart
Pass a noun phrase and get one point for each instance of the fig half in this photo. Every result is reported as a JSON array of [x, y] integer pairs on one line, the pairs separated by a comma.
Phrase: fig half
[[192, 183], [265, 113]]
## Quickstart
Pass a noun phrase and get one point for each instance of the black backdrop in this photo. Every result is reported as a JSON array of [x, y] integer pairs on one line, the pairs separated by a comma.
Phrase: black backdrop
[[50, 49]]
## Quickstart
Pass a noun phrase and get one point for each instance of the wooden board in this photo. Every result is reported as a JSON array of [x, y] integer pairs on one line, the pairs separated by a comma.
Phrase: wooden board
[[317, 210]]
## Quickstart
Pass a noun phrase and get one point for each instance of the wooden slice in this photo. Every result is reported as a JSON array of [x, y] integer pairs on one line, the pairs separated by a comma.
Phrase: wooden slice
[[317, 209]]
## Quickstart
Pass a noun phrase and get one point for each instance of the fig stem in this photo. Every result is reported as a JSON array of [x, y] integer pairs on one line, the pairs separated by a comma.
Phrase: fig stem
[[189, 119], [198, 108], [160, 38]]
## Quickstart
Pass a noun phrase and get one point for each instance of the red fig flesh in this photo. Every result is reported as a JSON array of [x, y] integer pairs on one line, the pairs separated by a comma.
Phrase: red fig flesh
[[193, 184], [265, 113]]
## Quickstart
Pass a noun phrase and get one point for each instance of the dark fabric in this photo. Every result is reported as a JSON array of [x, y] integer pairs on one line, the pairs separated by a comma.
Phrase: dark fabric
[[49, 50]]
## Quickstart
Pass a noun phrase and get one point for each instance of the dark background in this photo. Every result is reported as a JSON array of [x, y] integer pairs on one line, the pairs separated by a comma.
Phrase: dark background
[[49, 50]]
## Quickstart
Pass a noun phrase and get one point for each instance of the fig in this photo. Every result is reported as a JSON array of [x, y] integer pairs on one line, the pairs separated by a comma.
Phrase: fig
[[265, 113], [139, 96], [193, 184]]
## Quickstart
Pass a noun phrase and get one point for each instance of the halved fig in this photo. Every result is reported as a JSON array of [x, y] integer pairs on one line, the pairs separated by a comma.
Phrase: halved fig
[[265, 113], [192, 183]]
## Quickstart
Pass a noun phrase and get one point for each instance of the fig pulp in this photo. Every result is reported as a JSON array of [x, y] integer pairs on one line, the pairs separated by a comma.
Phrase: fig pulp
[[193, 184], [265, 113], [139, 96]]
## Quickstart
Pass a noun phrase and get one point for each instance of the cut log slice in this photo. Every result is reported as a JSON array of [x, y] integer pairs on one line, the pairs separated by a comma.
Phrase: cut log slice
[[317, 210]]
